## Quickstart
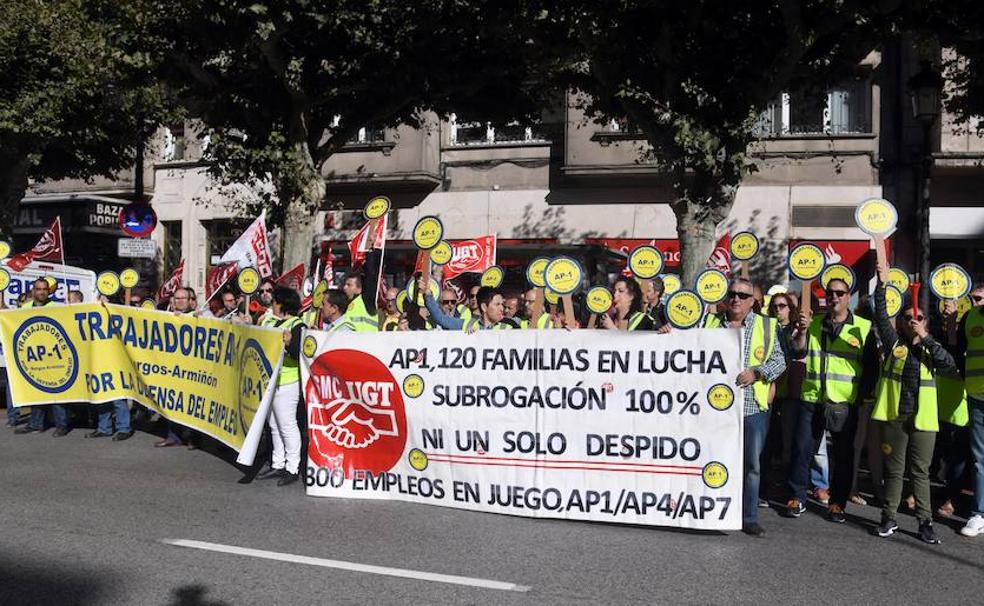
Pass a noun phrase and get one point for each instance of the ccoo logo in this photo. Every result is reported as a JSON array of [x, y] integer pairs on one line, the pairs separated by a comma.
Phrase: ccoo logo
[[356, 415]]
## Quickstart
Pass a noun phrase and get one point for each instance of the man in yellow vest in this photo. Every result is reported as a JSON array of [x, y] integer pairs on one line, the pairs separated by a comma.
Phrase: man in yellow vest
[[905, 411], [841, 366], [361, 291], [970, 351], [763, 363], [333, 317], [41, 297], [542, 322]]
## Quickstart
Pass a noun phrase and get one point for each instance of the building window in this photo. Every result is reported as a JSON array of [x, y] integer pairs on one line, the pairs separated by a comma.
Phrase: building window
[[484, 133], [843, 110], [172, 246], [221, 235], [368, 135], [175, 146]]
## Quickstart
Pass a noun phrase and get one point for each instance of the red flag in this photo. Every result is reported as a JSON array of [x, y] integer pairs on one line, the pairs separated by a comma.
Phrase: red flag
[[171, 284], [468, 256], [293, 279], [48, 248], [217, 278], [363, 241]]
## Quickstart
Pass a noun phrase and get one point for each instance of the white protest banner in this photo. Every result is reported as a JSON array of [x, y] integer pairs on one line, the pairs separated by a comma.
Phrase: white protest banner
[[587, 425], [67, 278]]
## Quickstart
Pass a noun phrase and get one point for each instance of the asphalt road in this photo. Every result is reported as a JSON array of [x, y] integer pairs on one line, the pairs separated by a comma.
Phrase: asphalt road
[[85, 522]]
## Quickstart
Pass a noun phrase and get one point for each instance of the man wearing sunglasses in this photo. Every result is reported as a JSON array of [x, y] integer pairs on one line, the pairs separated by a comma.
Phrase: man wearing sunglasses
[[764, 363], [970, 357], [841, 365], [906, 411]]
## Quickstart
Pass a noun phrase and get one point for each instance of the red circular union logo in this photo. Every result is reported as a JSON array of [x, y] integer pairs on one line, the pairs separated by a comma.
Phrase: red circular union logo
[[356, 415]]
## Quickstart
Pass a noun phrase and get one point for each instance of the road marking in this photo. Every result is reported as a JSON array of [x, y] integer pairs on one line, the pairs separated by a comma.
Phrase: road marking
[[351, 566]]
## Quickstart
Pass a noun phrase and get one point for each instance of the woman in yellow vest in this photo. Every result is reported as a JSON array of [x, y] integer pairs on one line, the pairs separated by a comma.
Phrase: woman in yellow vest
[[627, 303], [284, 430], [906, 408]]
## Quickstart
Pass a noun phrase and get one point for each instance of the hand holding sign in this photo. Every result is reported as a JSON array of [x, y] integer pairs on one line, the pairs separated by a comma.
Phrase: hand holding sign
[[563, 276], [599, 301], [806, 263], [744, 246], [427, 234], [535, 275]]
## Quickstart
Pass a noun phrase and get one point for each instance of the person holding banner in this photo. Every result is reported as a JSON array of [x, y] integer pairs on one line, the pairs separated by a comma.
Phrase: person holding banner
[[284, 430], [489, 317], [627, 303], [970, 348], [764, 364], [905, 408], [41, 297], [841, 365], [180, 305]]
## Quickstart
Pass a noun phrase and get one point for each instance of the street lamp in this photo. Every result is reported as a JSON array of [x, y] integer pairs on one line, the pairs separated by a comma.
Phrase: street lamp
[[925, 90]]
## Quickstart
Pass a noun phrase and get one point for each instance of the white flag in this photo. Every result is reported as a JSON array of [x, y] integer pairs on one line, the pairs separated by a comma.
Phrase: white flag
[[252, 248]]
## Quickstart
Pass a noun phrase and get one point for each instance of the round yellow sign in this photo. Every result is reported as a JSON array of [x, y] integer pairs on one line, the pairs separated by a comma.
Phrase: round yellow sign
[[646, 262], [715, 475], [599, 300], [949, 281], [318, 294], [838, 271], [963, 306], [744, 245], [310, 346], [4, 249], [148, 304], [442, 253], [417, 459], [551, 297], [898, 278], [900, 352], [401, 298], [108, 283], [413, 386], [248, 280], [563, 275], [535, 271], [428, 232], [492, 277], [684, 309], [129, 278], [893, 300], [376, 208], [876, 217], [671, 283], [806, 261], [418, 297], [720, 396], [4, 279], [712, 285]]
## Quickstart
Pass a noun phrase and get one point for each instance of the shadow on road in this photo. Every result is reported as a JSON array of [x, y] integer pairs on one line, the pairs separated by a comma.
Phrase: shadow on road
[[29, 582], [193, 595]]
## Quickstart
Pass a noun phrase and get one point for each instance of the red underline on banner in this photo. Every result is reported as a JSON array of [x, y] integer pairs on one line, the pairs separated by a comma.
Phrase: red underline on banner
[[566, 467], [570, 461]]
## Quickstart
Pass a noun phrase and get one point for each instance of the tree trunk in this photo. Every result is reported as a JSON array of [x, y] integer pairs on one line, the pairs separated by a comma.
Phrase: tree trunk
[[701, 205], [13, 185], [300, 224]]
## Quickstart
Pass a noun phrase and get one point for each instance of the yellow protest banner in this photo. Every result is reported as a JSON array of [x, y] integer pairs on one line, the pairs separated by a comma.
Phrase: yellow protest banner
[[210, 375]]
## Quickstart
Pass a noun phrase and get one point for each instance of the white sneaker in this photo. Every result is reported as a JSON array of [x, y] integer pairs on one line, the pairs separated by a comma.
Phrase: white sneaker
[[974, 527]]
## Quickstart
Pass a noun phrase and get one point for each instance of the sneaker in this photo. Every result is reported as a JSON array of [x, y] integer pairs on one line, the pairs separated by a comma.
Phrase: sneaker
[[97, 434], [974, 527], [753, 530], [887, 528], [288, 478], [927, 534], [795, 508], [60, 432], [271, 473], [763, 504], [835, 514], [26, 429], [822, 496]]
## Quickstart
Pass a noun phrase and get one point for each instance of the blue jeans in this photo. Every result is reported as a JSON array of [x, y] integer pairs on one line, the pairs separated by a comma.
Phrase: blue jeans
[[976, 408], [122, 410], [819, 467], [13, 412], [808, 436], [58, 411], [756, 430]]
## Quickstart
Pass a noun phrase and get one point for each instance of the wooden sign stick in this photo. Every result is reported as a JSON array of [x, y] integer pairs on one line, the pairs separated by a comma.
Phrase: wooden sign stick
[[126, 297], [538, 305], [592, 320], [744, 270], [805, 295], [569, 311]]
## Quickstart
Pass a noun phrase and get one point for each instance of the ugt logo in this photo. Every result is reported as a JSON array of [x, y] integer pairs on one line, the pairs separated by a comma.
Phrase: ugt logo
[[356, 413]]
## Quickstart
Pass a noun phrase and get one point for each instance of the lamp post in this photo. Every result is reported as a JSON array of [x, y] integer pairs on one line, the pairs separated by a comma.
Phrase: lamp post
[[925, 90]]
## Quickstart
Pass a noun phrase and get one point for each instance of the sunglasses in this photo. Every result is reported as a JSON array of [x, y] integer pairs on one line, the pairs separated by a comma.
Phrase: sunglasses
[[780, 306], [909, 318], [741, 295], [266, 290], [448, 301], [837, 293], [977, 298]]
